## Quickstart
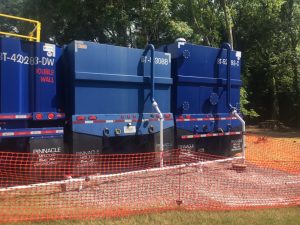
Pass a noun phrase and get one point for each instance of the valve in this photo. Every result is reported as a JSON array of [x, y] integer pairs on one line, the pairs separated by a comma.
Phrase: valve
[[106, 132], [196, 128], [186, 54], [214, 98], [185, 105], [118, 131], [229, 127], [220, 130], [151, 129]]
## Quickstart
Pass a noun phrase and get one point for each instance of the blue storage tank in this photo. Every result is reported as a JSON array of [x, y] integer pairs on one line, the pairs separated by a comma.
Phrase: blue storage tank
[[107, 93], [28, 76], [29, 110], [203, 98]]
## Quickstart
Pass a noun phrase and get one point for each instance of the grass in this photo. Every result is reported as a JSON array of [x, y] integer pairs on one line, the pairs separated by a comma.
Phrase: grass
[[288, 216]]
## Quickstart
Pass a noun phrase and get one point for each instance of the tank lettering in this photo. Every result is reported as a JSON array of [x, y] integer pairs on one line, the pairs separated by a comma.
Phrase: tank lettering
[[187, 146], [26, 60], [47, 61], [159, 61], [3, 56], [46, 160], [44, 79], [20, 58], [40, 71], [47, 150], [89, 152], [87, 157], [236, 145], [233, 62]]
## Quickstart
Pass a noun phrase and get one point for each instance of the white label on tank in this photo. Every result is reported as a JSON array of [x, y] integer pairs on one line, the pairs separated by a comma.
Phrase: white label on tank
[[169, 56], [80, 44], [21, 116], [8, 134], [129, 129], [50, 49], [238, 54]]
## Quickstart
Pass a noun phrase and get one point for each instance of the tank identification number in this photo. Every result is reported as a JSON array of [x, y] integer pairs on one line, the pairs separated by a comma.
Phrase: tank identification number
[[26, 60], [159, 61], [224, 62]]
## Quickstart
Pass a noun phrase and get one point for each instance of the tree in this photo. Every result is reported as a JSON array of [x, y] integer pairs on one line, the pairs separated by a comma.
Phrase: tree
[[228, 23], [290, 16], [244, 105], [256, 35], [203, 17], [10, 25], [266, 31]]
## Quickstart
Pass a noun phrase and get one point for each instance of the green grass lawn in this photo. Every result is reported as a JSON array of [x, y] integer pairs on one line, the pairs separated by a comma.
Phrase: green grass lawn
[[288, 216]]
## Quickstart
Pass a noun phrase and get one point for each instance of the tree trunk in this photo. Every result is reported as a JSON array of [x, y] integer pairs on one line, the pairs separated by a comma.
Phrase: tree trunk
[[228, 22], [275, 107]]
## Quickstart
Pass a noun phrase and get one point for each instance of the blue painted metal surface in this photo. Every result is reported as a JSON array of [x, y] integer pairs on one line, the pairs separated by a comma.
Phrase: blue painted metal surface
[[115, 86], [32, 132], [28, 76], [28, 86], [105, 79], [205, 85], [126, 125], [28, 79], [207, 126], [200, 71]]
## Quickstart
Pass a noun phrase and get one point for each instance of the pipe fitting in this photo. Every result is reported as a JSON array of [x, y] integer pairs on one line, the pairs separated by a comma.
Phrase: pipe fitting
[[151, 129], [234, 113], [106, 132], [118, 131]]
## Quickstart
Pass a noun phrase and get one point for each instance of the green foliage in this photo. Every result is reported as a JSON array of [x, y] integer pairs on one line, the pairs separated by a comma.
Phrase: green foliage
[[244, 102], [180, 29], [266, 31]]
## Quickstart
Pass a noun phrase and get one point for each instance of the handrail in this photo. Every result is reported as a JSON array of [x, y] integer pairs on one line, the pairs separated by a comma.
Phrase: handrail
[[31, 36], [228, 48], [152, 48], [155, 105], [232, 109]]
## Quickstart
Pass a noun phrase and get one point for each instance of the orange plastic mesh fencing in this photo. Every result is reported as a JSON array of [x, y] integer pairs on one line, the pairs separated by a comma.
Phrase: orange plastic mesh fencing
[[48, 187]]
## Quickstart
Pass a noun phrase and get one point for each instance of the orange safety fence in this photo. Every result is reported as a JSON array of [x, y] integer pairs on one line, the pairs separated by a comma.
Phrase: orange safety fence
[[48, 187]]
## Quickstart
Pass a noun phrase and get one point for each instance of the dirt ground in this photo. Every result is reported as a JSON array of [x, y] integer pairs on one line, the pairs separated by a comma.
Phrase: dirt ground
[[274, 149], [286, 134]]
